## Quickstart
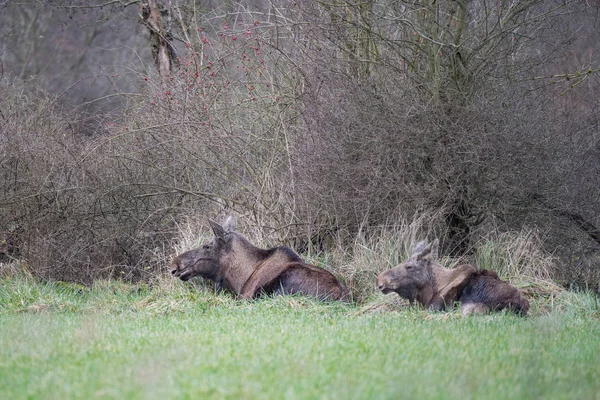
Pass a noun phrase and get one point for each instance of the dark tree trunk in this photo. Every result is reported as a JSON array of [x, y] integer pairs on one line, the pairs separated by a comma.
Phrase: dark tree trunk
[[159, 38]]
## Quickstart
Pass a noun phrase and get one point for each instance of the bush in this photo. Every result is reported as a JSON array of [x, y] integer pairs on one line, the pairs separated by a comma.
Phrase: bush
[[82, 213], [322, 128], [102, 197]]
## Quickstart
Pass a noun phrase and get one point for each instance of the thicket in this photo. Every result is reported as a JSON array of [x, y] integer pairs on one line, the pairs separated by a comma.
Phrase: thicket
[[318, 123]]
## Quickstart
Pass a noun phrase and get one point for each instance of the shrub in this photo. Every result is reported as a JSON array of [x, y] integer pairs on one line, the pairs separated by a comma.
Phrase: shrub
[[321, 127]]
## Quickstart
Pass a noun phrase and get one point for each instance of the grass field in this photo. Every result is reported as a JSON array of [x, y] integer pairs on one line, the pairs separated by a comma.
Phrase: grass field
[[113, 340]]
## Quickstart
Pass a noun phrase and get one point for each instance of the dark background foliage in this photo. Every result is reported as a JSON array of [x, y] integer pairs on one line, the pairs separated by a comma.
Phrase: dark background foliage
[[315, 121]]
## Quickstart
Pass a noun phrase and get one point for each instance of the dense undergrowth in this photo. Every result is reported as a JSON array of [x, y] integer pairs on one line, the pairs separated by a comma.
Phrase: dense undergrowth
[[325, 148]]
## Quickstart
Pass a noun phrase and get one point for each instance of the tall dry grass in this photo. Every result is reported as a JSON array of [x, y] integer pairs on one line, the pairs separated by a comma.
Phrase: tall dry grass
[[518, 257]]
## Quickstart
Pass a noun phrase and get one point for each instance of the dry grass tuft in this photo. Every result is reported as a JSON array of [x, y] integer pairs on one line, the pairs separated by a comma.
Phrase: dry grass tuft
[[383, 303], [14, 268], [516, 256]]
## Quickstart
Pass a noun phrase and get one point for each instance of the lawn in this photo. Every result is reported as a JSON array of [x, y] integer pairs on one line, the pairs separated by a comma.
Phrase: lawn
[[113, 340]]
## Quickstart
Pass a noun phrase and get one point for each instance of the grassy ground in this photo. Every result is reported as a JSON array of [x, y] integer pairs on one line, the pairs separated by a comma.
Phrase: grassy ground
[[114, 340]]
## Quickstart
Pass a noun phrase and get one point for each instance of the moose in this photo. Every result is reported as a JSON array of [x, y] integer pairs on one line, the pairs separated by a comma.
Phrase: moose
[[231, 261], [422, 278]]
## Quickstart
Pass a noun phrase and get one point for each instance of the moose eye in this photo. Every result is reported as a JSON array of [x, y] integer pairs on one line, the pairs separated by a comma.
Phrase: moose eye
[[206, 246], [409, 267]]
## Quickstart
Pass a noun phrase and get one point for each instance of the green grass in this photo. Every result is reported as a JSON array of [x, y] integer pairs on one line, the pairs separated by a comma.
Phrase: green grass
[[114, 340]]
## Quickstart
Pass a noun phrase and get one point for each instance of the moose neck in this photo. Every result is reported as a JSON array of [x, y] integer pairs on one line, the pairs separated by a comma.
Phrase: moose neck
[[426, 295], [240, 263]]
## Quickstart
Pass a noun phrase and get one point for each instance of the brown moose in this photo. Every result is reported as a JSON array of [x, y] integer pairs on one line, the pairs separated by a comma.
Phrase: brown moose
[[422, 278], [233, 262]]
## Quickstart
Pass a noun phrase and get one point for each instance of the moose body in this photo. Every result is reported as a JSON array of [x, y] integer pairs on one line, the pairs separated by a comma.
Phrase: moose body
[[422, 278], [233, 262]]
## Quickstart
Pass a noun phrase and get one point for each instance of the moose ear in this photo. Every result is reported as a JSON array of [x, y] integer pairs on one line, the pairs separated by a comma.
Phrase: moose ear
[[229, 224], [430, 252], [419, 247], [435, 250], [217, 229]]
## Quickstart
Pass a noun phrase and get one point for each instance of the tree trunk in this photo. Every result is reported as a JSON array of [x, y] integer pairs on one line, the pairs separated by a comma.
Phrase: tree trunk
[[161, 48]]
